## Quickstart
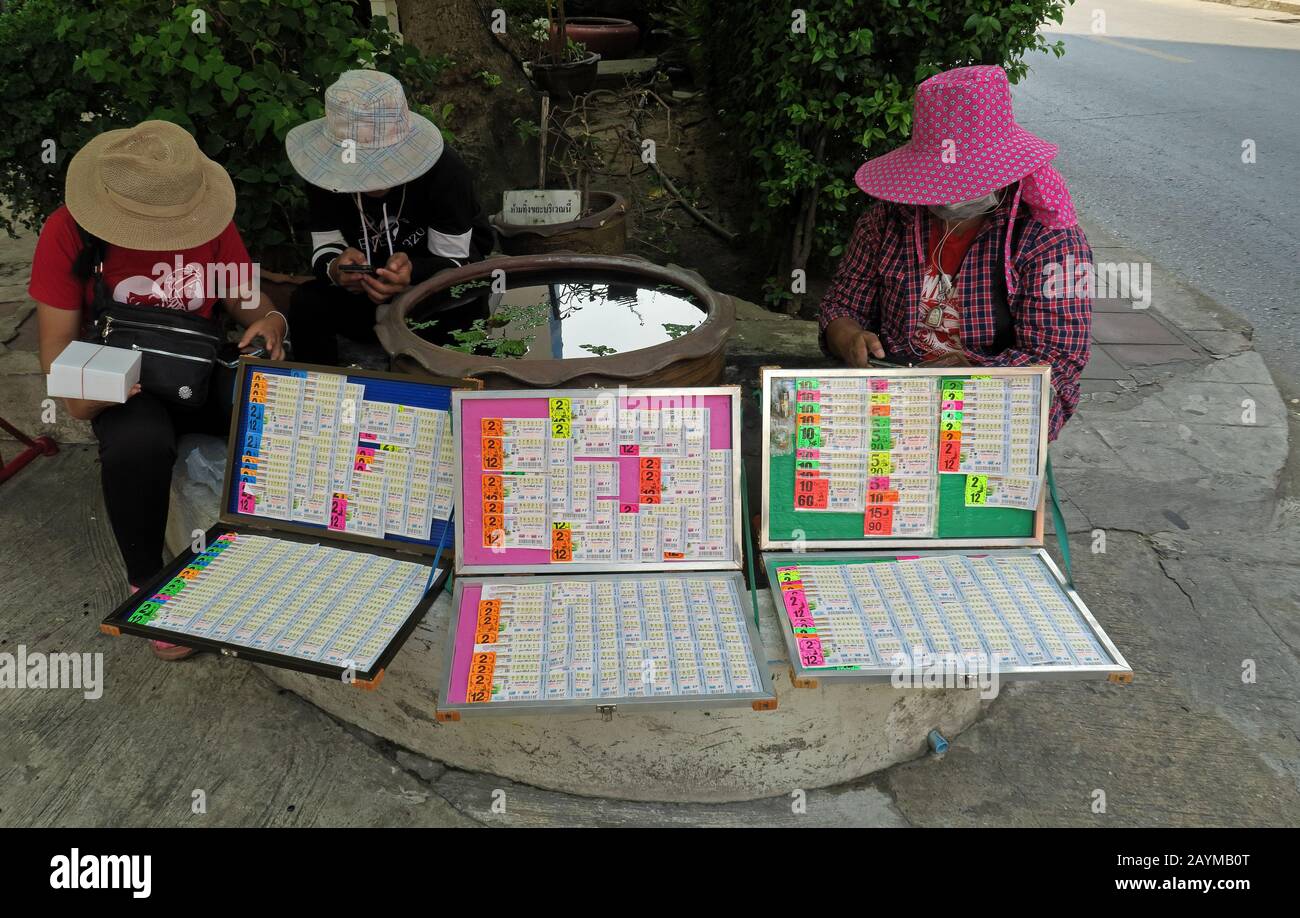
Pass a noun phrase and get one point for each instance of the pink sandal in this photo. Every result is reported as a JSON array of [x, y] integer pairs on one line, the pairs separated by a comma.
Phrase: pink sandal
[[161, 649], [170, 652]]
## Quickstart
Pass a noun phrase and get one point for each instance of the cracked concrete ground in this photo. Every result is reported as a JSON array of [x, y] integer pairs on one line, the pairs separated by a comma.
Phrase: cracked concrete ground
[[1182, 468]]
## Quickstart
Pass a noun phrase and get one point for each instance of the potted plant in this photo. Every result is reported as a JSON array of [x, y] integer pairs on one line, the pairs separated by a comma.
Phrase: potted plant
[[563, 67]]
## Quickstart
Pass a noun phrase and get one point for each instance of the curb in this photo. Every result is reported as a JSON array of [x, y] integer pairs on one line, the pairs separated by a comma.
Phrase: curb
[[1276, 6]]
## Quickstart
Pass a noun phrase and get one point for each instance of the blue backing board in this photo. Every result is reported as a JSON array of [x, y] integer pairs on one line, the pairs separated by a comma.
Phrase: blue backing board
[[414, 393]]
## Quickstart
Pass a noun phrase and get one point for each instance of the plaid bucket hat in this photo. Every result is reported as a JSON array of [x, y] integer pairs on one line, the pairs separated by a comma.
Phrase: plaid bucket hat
[[390, 144]]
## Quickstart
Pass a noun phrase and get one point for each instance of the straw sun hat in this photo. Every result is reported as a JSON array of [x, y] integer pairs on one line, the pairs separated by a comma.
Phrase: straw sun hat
[[149, 187]]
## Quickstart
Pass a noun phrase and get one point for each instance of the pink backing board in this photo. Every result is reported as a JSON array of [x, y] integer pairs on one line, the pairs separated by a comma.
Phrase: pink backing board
[[474, 410]]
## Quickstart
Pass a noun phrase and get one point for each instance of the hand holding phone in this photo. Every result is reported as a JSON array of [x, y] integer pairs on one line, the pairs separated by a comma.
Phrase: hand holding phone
[[349, 267]]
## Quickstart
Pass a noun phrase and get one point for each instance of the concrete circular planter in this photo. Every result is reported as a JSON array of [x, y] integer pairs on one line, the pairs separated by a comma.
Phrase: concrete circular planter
[[694, 359], [816, 737], [602, 232]]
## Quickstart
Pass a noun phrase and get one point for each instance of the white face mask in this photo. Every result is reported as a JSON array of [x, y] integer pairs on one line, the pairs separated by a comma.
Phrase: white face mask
[[964, 210]]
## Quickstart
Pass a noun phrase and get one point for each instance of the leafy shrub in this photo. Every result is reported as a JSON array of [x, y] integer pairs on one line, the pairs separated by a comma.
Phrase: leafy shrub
[[808, 107], [238, 74]]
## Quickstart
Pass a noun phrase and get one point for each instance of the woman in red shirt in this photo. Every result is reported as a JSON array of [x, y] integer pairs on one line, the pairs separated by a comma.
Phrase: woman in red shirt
[[949, 269], [155, 214]]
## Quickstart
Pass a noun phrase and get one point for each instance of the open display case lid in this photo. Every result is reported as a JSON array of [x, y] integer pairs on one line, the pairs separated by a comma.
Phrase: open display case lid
[[356, 455], [322, 606], [883, 458], [336, 504], [552, 481], [561, 643], [906, 618]]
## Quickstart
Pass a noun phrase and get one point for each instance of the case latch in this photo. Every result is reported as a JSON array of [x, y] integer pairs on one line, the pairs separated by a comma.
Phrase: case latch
[[229, 652], [607, 711]]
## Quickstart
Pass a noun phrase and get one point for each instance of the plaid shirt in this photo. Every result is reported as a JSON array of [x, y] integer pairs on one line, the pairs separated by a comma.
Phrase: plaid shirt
[[878, 284]]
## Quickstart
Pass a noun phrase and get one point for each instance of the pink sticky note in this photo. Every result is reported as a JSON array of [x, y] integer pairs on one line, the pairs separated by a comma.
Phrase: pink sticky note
[[338, 513], [810, 651], [247, 502]]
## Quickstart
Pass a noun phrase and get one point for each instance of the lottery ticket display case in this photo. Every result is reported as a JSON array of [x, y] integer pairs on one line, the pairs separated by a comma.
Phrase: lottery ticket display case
[[953, 461], [335, 511], [599, 554]]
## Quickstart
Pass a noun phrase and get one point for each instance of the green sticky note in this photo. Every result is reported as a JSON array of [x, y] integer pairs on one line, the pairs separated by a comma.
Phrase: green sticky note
[[810, 437], [977, 490]]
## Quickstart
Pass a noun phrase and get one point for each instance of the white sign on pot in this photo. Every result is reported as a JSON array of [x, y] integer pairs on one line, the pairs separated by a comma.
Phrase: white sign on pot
[[541, 207]]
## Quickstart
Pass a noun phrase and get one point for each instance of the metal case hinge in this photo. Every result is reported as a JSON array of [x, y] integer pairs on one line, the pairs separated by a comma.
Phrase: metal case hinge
[[606, 711]]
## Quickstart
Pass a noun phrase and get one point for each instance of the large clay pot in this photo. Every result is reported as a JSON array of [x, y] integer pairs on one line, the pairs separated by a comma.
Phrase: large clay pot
[[696, 358], [564, 81], [603, 232], [611, 38]]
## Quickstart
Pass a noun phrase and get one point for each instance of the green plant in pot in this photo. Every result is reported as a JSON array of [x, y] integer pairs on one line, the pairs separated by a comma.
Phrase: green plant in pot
[[562, 67]]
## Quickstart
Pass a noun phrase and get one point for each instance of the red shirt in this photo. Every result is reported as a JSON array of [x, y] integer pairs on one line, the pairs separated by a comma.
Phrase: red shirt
[[879, 281], [938, 327], [134, 277]]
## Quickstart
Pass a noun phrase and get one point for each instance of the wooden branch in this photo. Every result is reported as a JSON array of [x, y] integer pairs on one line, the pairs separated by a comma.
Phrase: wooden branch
[[700, 218]]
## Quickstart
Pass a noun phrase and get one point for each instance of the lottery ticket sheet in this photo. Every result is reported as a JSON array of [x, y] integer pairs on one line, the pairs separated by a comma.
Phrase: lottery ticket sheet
[[989, 426], [560, 642], [314, 449], [598, 480], [859, 617], [868, 445], [886, 445], [327, 608]]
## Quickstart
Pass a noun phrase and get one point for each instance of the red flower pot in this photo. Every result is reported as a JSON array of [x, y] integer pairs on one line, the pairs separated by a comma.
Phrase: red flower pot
[[608, 37]]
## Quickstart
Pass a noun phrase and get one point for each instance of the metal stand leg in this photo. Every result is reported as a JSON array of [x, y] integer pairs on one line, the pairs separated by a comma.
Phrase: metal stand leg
[[41, 446]]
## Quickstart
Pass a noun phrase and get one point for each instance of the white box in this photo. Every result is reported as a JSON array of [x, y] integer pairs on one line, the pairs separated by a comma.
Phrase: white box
[[64, 379], [93, 371]]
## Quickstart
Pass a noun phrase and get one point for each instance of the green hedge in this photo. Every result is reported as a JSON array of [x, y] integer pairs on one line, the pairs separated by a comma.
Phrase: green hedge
[[238, 74], [806, 109]]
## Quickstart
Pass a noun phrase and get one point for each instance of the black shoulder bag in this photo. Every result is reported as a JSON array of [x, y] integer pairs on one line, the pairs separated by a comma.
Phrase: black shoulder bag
[[178, 350]]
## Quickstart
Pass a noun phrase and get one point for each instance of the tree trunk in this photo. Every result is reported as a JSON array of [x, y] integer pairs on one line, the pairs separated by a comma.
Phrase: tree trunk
[[483, 119]]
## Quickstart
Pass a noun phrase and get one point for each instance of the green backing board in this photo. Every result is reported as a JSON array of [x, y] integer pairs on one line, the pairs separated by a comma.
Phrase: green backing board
[[954, 521]]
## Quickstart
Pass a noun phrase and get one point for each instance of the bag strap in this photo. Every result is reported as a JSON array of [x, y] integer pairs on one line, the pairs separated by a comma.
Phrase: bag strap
[[1058, 523]]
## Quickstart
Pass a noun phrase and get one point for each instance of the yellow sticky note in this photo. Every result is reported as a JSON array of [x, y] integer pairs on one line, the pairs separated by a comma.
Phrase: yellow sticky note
[[977, 490]]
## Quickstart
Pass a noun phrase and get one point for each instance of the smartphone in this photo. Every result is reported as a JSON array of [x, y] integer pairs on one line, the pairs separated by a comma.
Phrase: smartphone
[[360, 269]]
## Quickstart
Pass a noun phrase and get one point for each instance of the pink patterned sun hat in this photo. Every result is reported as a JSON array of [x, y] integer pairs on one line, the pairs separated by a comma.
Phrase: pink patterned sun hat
[[965, 143]]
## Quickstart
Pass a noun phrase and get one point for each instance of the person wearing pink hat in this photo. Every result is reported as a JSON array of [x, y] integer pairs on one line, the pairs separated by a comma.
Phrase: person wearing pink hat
[[949, 269]]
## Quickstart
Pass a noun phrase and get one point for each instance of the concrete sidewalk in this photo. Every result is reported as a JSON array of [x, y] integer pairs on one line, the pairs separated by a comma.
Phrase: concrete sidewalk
[[1175, 467]]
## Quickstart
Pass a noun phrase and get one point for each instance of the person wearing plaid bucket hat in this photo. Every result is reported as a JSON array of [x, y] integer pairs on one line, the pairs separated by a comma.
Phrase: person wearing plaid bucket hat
[[948, 268], [389, 202]]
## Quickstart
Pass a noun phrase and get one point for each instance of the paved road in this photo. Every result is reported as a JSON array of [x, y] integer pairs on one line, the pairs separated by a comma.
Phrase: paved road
[[1151, 115]]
